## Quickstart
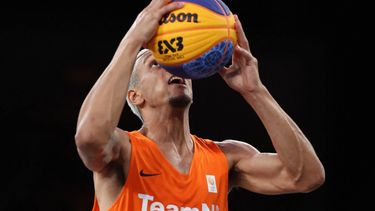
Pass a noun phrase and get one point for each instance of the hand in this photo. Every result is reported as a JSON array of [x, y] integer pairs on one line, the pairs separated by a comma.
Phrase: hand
[[147, 21], [242, 75]]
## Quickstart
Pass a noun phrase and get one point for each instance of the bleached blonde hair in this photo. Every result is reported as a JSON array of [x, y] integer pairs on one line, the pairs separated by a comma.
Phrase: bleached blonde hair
[[133, 82]]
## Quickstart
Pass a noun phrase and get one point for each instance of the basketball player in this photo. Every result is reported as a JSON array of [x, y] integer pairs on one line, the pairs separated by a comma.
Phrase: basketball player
[[162, 166]]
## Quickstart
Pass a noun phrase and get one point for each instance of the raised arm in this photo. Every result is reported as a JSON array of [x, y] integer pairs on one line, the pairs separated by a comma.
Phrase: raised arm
[[97, 136], [295, 166]]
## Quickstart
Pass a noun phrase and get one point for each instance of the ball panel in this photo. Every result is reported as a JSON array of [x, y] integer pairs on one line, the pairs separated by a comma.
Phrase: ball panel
[[207, 64], [210, 62], [177, 48], [213, 5], [224, 7], [192, 16]]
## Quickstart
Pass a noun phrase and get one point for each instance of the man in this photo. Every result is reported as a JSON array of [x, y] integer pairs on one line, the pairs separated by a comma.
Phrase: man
[[164, 167]]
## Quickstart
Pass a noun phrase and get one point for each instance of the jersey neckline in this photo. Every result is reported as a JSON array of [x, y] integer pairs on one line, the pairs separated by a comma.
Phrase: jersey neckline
[[169, 165]]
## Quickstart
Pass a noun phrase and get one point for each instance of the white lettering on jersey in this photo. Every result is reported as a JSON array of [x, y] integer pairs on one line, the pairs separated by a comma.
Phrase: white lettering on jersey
[[156, 206], [172, 207], [145, 198], [159, 206], [213, 206]]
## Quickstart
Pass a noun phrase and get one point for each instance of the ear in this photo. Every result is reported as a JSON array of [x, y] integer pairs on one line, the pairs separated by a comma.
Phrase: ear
[[135, 97]]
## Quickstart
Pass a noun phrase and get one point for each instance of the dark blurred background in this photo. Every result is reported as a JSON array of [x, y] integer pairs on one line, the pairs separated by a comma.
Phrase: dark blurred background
[[53, 54]]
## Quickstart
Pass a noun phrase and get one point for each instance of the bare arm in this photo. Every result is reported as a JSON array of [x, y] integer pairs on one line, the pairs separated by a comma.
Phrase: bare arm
[[294, 167], [96, 139], [97, 136]]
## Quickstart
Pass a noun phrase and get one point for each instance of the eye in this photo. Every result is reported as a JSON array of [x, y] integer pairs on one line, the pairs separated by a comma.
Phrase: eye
[[154, 63]]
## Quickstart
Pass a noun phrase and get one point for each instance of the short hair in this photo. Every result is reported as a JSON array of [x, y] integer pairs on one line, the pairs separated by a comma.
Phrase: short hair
[[133, 82]]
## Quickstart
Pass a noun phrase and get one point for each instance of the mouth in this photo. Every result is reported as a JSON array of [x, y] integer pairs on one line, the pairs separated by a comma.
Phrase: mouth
[[176, 80]]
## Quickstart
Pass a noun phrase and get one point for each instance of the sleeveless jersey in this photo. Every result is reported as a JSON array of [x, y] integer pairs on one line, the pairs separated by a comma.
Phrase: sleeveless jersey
[[154, 184]]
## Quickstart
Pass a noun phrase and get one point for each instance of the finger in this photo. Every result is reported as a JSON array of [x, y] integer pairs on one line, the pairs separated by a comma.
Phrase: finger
[[242, 40], [243, 54], [159, 3], [170, 7], [223, 71], [229, 72]]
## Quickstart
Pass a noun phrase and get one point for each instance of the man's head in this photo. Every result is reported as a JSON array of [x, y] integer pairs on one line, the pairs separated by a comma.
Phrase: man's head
[[152, 87]]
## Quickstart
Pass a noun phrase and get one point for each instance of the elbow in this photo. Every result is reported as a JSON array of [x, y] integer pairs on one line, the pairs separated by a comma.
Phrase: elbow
[[313, 181], [83, 139], [89, 135], [91, 131], [86, 144], [89, 150]]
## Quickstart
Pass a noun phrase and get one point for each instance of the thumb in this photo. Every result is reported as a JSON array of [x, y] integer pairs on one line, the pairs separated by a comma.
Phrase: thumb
[[223, 71]]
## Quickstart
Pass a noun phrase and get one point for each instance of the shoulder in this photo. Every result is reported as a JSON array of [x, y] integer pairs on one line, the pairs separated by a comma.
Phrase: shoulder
[[231, 146], [121, 149], [122, 137], [236, 150], [120, 156], [206, 144], [127, 137]]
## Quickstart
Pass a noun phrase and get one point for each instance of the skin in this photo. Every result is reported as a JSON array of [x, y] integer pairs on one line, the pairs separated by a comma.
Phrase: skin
[[105, 149]]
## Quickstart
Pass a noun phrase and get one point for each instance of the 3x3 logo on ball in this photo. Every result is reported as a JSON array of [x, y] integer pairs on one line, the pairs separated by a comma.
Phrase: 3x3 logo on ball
[[173, 45], [170, 47]]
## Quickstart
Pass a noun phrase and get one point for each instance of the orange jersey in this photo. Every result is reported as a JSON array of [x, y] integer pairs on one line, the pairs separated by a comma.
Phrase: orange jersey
[[153, 183]]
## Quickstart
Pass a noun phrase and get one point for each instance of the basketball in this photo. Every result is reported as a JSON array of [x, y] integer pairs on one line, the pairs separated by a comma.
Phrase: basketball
[[195, 41]]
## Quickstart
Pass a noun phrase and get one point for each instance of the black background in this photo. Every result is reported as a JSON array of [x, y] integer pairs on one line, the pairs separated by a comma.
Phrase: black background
[[52, 55]]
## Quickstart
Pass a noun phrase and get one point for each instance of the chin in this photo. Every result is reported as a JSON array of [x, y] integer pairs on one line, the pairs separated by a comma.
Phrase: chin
[[180, 101]]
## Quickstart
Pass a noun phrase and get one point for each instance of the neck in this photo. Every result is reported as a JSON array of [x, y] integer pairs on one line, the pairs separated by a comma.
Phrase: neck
[[168, 126]]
